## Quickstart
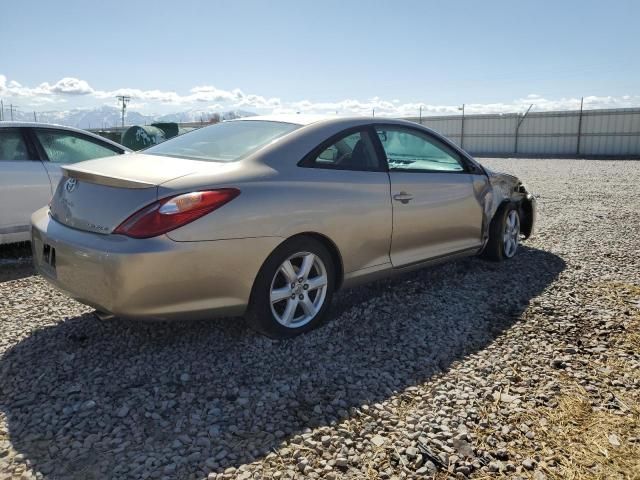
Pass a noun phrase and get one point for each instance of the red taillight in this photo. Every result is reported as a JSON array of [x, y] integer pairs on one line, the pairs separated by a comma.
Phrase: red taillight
[[173, 212]]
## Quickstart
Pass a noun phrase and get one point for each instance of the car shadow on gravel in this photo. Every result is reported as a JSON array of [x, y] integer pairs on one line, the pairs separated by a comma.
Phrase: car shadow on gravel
[[91, 399]]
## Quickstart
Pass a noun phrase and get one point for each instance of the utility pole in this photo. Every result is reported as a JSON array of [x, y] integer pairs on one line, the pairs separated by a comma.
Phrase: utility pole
[[124, 99], [373, 112], [35, 119], [420, 118], [1, 110], [11, 109]]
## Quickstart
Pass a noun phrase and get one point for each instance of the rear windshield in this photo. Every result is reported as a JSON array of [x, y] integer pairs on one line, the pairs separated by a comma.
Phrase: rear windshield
[[223, 142]]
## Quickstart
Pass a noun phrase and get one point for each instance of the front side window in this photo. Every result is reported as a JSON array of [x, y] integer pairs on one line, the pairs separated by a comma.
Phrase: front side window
[[12, 146], [69, 147], [223, 142], [411, 150], [354, 151]]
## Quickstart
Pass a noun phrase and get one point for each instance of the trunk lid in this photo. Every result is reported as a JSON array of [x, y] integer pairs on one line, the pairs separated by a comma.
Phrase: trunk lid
[[98, 195], [147, 170]]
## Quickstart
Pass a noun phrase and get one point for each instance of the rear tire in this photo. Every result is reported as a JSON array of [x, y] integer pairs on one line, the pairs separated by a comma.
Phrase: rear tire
[[293, 290], [504, 233]]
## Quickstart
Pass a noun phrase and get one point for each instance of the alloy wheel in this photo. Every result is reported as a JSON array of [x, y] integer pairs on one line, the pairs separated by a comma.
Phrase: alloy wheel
[[298, 289], [511, 234]]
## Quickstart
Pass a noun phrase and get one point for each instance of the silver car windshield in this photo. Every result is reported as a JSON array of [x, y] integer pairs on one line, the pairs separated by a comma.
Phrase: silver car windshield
[[223, 142]]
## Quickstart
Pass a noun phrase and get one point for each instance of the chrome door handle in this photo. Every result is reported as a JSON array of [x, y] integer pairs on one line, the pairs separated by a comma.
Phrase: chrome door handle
[[403, 197]]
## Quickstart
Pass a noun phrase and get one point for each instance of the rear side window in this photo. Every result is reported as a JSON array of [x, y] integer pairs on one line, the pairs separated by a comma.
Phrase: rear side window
[[410, 150], [67, 147], [223, 142], [12, 146], [354, 151]]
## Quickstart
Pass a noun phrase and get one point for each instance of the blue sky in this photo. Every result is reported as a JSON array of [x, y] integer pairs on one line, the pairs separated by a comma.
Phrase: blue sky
[[345, 56]]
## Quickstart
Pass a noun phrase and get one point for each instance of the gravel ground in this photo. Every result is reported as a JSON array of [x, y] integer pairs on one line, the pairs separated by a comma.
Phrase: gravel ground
[[453, 371]]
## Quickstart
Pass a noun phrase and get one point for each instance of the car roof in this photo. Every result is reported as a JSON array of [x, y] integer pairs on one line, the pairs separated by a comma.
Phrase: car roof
[[304, 119], [296, 119], [10, 124], [324, 127]]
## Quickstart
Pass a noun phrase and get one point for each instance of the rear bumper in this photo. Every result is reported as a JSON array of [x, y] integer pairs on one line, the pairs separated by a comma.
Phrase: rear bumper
[[155, 278]]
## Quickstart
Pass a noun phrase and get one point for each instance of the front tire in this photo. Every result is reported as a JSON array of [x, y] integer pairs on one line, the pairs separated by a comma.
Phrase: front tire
[[504, 233], [293, 290]]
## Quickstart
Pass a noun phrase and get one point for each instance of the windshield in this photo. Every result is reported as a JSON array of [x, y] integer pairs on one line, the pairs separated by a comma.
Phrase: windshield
[[223, 142]]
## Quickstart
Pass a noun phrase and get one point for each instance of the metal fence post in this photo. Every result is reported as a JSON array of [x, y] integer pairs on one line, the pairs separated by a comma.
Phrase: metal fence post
[[579, 128], [462, 129], [515, 146], [518, 128]]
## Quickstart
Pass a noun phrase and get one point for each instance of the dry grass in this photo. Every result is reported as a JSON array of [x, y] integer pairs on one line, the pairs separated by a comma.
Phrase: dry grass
[[589, 443], [591, 436]]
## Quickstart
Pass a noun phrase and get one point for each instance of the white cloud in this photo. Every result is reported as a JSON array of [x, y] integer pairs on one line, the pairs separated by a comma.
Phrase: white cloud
[[70, 88], [65, 86], [147, 95], [133, 105], [209, 93], [202, 94]]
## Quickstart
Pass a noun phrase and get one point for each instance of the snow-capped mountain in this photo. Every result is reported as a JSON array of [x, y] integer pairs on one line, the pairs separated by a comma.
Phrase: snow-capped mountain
[[105, 117], [201, 116]]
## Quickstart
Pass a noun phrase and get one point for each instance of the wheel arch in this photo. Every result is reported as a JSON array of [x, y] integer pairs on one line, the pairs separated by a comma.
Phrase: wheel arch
[[330, 245], [527, 216], [254, 312], [526, 210], [493, 247]]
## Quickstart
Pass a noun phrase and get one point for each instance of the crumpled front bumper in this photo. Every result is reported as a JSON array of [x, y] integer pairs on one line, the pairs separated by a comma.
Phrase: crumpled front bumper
[[529, 206]]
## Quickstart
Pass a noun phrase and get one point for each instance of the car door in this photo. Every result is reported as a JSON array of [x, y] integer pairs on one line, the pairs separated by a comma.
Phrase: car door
[[61, 147], [435, 209], [24, 184], [349, 186]]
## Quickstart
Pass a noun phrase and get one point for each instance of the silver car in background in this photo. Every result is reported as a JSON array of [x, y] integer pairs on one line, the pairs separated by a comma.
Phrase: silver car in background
[[30, 159], [268, 216]]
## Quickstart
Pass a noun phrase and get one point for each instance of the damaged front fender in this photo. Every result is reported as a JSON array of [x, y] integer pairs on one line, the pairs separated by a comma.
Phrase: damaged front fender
[[504, 188]]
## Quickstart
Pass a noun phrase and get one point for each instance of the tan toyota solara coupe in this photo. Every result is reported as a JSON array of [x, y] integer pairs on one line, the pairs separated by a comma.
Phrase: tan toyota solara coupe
[[267, 217]]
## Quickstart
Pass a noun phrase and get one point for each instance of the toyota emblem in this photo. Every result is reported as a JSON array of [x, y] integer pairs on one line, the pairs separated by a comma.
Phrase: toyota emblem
[[71, 185]]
